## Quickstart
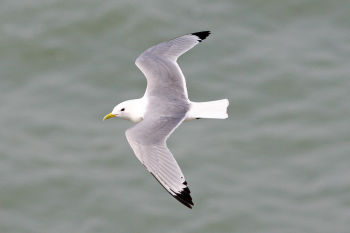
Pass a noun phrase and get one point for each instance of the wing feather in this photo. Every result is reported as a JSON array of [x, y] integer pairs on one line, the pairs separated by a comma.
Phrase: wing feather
[[160, 68], [157, 158]]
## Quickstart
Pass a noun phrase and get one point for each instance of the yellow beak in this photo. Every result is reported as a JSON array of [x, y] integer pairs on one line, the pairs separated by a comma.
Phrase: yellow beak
[[110, 115]]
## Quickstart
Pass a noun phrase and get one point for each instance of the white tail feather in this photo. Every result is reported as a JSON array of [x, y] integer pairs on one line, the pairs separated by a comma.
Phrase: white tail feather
[[213, 109]]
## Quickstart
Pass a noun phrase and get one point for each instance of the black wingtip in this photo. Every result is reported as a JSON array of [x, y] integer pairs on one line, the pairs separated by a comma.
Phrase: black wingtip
[[201, 35], [184, 197]]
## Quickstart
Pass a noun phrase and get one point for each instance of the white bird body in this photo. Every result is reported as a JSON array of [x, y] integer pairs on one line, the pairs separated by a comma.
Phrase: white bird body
[[164, 106], [136, 109]]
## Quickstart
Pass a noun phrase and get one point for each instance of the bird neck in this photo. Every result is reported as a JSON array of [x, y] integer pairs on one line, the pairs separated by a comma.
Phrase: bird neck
[[137, 110]]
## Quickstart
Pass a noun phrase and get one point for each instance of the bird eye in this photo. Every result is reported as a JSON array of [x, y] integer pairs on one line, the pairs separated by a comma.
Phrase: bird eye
[[123, 109]]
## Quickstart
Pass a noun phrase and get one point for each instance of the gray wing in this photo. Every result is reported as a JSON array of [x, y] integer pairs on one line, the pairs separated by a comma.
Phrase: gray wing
[[148, 141], [159, 65]]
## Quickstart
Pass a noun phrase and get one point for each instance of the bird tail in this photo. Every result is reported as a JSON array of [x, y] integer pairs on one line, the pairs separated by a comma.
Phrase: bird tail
[[216, 109]]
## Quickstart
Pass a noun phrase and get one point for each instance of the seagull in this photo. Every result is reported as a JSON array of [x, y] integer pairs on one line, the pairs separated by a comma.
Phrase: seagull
[[164, 106]]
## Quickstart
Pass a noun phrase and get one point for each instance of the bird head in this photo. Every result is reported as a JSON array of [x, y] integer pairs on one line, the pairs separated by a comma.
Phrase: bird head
[[129, 110]]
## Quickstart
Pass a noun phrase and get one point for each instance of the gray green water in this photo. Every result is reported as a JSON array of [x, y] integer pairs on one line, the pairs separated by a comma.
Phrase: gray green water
[[280, 163]]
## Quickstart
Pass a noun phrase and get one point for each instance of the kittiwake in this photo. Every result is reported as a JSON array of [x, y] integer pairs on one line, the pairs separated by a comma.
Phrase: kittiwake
[[164, 106]]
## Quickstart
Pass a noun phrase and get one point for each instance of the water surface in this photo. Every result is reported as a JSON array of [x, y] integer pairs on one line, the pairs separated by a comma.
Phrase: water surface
[[280, 163]]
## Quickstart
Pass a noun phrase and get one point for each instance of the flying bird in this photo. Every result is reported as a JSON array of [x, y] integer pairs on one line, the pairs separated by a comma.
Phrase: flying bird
[[164, 106]]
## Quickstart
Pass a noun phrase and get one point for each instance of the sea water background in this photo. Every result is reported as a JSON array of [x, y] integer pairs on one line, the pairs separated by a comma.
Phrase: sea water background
[[280, 163]]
